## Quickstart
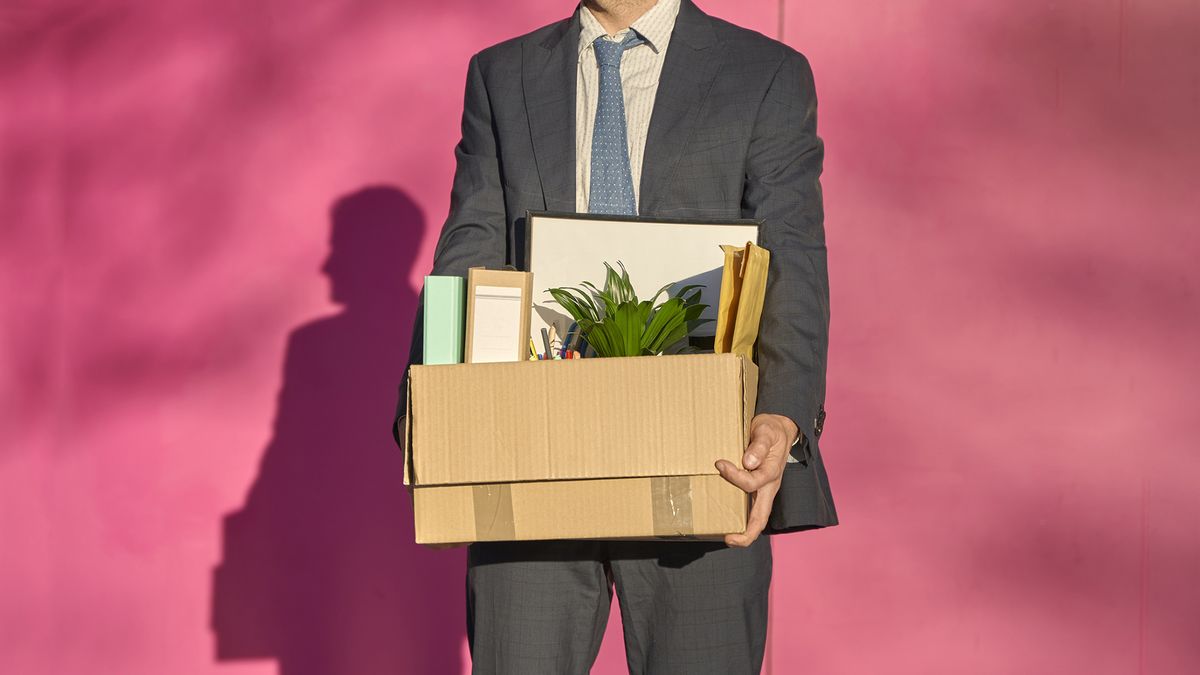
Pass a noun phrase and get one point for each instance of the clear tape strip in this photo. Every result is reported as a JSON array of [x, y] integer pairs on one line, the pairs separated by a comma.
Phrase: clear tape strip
[[671, 501], [493, 512]]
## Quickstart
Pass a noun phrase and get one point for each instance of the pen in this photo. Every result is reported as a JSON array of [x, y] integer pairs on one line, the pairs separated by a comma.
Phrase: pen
[[546, 340], [575, 344], [566, 344], [532, 349]]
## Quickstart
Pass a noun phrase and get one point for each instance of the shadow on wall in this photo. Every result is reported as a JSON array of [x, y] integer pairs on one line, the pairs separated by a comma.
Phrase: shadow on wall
[[319, 569]]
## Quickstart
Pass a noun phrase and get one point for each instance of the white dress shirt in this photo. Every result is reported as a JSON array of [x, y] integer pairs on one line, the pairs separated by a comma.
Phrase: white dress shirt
[[640, 70]]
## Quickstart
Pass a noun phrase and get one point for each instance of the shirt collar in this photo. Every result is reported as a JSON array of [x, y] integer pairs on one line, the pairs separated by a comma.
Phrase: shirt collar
[[654, 26]]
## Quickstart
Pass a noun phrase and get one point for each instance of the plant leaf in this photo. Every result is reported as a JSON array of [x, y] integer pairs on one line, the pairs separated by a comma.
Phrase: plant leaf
[[615, 323]]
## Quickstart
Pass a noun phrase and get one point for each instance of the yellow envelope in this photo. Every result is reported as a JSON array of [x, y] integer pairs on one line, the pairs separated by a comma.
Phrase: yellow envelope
[[743, 289]]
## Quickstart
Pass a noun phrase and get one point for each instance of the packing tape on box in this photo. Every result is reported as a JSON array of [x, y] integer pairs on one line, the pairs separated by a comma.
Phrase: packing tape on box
[[493, 512], [671, 501]]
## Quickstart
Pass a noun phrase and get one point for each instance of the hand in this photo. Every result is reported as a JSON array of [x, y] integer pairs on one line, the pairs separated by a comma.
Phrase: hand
[[771, 438]]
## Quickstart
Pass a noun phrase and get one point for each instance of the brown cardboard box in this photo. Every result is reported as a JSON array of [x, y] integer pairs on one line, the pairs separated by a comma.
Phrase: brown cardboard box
[[587, 448]]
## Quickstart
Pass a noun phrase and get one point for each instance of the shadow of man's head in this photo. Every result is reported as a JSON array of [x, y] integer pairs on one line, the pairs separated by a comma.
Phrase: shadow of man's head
[[375, 236]]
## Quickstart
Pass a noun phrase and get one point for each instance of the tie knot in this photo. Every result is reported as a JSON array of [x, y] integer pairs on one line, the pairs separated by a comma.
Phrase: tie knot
[[608, 53]]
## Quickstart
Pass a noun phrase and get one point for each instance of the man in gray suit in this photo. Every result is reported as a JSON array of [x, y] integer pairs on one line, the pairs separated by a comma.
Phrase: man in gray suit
[[654, 109]]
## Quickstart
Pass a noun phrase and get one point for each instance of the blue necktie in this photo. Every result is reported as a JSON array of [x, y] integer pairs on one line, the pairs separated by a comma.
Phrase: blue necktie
[[611, 187]]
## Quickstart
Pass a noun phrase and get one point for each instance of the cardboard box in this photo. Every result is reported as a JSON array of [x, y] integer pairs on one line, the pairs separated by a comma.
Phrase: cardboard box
[[572, 449]]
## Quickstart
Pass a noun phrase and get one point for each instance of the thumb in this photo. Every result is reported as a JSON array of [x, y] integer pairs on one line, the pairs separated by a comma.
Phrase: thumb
[[756, 452]]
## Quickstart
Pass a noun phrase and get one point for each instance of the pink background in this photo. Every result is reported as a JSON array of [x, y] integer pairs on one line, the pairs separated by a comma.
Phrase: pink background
[[214, 215]]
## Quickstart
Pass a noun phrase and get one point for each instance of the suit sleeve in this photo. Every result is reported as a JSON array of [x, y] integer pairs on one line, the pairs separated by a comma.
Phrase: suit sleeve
[[783, 189], [474, 233]]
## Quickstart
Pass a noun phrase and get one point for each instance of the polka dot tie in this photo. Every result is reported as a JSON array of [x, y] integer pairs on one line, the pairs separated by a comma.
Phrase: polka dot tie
[[611, 186]]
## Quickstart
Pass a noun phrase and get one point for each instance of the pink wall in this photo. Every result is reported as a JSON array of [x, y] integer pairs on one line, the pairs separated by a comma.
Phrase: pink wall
[[198, 348]]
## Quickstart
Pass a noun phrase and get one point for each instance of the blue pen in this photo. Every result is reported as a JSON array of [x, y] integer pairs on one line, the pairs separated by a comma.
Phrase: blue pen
[[562, 353]]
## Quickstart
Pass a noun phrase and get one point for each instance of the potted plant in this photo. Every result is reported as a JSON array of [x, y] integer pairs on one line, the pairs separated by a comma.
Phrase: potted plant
[[614, 322]]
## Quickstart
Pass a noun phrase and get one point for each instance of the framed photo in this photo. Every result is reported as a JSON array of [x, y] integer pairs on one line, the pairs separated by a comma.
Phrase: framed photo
[[565, 249]]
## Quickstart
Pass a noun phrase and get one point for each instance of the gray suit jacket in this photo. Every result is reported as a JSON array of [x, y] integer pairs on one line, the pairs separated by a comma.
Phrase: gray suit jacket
[[732, 135]]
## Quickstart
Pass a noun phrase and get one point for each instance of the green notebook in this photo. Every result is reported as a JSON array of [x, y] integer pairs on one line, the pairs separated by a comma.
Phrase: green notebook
[[445, 309]]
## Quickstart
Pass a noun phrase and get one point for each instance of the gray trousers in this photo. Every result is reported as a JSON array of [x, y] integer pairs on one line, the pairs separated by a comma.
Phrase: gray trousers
[[687, 607]]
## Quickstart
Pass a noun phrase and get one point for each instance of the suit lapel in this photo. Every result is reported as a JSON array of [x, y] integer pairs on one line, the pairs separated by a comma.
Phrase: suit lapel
[[692, 61], [548, 77]]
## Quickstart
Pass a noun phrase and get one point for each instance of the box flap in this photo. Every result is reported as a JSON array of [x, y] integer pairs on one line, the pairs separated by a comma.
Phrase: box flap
[[577, 419], [749, 397], [579, 509], [406, 433]]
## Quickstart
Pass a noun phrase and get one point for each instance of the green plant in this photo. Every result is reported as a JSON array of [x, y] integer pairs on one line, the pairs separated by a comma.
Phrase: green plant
[[615, 323]]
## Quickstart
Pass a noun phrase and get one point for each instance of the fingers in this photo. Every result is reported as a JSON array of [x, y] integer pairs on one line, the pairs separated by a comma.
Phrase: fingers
[[763, 462], [764, 435], [749, 481], [756, 452], [760, 512]]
